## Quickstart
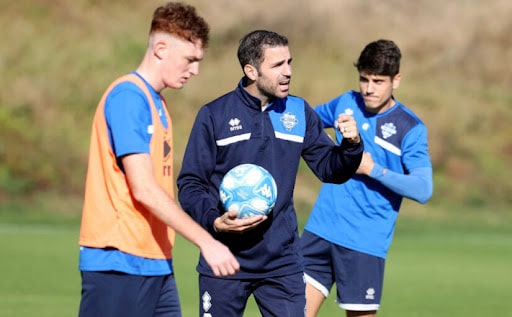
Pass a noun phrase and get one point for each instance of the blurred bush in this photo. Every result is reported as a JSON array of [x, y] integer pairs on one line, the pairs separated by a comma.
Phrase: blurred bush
[[57, 58]]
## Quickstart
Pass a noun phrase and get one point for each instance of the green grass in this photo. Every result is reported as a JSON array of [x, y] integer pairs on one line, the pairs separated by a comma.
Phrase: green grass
[[435, 268], [39, 270], [448, 270]]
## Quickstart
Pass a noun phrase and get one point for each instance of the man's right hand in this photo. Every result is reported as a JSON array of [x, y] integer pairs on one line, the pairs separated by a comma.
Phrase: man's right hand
[[220, 259], [229, 222]]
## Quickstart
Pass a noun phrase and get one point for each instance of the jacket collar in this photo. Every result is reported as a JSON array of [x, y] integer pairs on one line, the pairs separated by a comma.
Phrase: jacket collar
[[248, 99], [254, 102]]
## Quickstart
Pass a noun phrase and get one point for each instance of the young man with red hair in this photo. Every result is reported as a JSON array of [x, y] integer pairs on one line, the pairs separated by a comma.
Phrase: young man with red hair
[[130, 215]]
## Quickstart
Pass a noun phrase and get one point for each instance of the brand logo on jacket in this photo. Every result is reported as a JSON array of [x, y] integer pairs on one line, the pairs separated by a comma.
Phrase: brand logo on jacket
[[235, 124], [289, 121], [388, 129]]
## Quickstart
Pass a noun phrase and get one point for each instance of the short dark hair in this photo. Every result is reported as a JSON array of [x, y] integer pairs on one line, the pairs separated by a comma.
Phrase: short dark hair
[[381, 57], [250, 50], [180, 20]]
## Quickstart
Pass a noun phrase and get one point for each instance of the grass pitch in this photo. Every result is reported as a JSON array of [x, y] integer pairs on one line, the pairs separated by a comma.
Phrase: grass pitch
[[433, 269]]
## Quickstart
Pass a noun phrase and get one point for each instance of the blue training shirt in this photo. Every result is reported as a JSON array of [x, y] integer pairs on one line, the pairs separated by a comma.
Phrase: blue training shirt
[[361, 213]]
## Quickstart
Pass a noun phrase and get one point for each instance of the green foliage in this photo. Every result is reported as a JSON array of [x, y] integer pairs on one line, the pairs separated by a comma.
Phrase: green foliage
[[57, 59]]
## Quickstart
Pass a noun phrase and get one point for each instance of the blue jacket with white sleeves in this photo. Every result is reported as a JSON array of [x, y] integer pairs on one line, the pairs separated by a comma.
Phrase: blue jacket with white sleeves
[[233, 130]]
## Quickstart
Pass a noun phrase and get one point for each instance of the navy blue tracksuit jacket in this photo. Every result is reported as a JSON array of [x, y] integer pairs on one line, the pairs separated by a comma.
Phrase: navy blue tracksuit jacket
[[233, 130]]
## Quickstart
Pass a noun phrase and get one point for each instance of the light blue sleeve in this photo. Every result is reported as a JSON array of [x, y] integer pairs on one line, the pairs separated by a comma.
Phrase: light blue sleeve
[[417, 185], [128, 119], [416, 182]]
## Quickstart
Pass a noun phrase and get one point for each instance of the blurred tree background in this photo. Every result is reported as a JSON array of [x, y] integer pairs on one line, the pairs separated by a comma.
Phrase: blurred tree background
[[58, 56]]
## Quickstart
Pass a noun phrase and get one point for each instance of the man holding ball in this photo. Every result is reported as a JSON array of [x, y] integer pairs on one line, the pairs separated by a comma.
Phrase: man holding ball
[[259, 123]]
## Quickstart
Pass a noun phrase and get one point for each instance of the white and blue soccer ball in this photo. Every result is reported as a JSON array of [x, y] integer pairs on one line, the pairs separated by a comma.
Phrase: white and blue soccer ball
[[249, 189]]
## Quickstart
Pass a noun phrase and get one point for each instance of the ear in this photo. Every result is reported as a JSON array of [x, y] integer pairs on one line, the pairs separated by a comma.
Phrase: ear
[[396, 81], [251, 72], [160, 49]]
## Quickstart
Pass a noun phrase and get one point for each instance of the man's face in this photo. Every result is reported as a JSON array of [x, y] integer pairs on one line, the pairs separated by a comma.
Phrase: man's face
[[181, 61], [273, 80], [377, 91]]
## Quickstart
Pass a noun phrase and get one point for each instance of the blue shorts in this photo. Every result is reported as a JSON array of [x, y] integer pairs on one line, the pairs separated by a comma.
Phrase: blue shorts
[[117, 294], [358, 276], [282, 296]]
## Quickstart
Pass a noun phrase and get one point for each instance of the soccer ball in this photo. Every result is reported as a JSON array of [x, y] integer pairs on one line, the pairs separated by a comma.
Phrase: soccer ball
[[249, 189]]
